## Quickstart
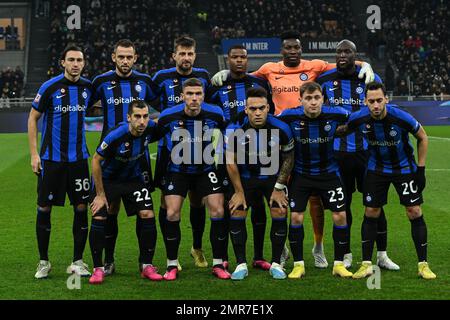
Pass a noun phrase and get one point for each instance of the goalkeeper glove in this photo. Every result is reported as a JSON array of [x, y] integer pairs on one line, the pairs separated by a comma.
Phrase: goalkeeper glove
[[366, 70], [219, 78], [420, 178]]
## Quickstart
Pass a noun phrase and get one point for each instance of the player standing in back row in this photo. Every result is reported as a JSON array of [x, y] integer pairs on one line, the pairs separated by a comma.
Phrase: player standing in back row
[[117, 89], [61, 165]]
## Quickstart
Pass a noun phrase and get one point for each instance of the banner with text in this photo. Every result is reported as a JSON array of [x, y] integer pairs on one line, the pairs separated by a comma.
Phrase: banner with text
[[254, 45]]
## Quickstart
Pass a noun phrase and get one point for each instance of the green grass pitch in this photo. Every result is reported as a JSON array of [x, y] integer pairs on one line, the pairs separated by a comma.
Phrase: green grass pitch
[[19, 255]]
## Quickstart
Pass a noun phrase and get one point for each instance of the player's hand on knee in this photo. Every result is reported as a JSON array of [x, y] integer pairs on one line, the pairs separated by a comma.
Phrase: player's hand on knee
[[220, 77], [367, 71], [237, 200], [36, 165], [420, 178], [280, 198], [98, 203]]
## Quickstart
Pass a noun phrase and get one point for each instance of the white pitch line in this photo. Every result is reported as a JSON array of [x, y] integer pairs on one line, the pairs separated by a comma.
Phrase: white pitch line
[[439, 138], [438, 169]]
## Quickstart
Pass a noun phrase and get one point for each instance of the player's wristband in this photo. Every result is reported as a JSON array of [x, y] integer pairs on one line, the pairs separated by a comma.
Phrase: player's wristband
[[280, 187]]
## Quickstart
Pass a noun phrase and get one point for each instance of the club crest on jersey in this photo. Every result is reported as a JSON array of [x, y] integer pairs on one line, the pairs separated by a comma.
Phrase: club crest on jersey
[[229, 87], [138, 88], [63, 90], [368, 126], [327, 127], [303, 76], [205, 127], [170, 187], [393, 133], [50, 196], [84, 94], [368, 198], [302, 123], [127, 144], [38, 97], [292, 204], [359, 90], [225, 182], [113, 82], [335, 83], [104, 145]]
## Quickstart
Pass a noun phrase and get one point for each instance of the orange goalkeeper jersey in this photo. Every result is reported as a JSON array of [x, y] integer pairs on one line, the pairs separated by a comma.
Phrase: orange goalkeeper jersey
[[286, 81]]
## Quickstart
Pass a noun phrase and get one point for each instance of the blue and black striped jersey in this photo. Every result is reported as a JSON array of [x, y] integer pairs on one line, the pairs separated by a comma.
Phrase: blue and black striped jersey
[[116, 93], [313, 138], [169, 85], [259, 149], [191, 134], [64, 105], [390, 149], [345, 91], [126, 156], [232, 95]]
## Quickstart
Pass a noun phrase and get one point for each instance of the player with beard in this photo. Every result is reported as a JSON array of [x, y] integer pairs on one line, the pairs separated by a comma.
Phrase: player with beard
[[117, 89], [342, 87]]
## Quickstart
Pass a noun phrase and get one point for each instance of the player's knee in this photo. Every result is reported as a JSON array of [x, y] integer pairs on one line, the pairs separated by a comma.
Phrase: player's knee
[[173, 215], [240, 214], [413, 212], [297, 218], [81, 207], [340, 218], [45, 209], [146, 214], [372, 212], [216, 211], [278, 212]]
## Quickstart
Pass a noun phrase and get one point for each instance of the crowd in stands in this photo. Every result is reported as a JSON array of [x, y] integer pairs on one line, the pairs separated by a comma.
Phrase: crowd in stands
[[152, 25], [413, 41], [267, 18], [8, 32], [415, 34], [11, 85]]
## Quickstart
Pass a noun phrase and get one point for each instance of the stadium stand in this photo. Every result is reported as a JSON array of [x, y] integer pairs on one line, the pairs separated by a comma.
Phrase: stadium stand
[[11, 85], [417, 36], [104, 22]]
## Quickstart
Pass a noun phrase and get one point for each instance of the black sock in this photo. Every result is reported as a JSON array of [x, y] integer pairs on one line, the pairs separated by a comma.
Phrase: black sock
[[80, 233], [278, 235], [368, 236], [172, 238], [111, 232], [217, 237], [419, 235], [162, 218], [197, 217], [226, 218], [138, 234], [147, 240], [341, 238], [259, 221], [349, 217], [238, 235], [382, 232], [296, 236], [43, 228], [97, 241]]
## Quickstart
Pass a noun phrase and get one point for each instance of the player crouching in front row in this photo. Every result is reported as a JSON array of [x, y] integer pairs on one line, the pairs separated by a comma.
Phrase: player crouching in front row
[[118, 173]]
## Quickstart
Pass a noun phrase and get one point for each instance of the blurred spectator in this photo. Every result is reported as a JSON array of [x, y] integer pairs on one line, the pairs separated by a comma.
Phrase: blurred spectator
[[418, 39], [152, 25], [11, 83]]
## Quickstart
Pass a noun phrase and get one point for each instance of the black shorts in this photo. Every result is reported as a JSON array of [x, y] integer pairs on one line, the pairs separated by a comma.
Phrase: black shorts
[[376, 187], [328, 186], [256, 190], [352, 167], [162, 161], [136, 196], [58, 178], [227, 186], [203, 184]]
